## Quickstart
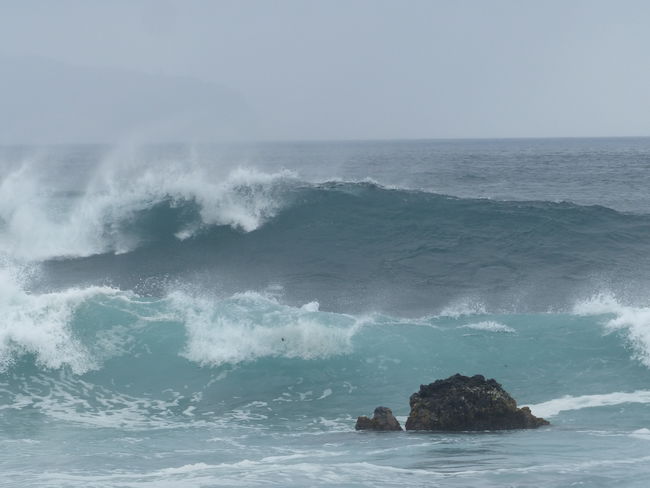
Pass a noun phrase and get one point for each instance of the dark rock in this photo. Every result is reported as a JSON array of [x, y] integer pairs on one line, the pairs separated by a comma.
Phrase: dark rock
[[382, 419], [464, 403]]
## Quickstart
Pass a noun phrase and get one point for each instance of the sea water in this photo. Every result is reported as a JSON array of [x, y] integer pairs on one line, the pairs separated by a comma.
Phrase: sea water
[[219, 315]]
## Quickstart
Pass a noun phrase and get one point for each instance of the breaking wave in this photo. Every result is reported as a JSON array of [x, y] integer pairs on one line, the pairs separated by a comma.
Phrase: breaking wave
[[97, 340], [120, 210], [632, 321], [391, 249], [80, 327]]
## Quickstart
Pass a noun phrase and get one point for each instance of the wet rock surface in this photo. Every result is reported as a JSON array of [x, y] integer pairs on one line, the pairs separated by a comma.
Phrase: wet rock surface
[[382, 419], [467, 403]]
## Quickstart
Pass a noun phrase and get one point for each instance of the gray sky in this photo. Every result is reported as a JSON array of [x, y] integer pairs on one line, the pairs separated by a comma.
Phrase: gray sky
[[83, 71]]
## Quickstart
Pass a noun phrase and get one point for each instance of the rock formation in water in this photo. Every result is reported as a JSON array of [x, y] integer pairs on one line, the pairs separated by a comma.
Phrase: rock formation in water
[[463, 403], [382, 419]]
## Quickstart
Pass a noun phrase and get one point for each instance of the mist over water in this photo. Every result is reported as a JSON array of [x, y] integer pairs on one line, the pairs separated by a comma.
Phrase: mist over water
[[221, 314]]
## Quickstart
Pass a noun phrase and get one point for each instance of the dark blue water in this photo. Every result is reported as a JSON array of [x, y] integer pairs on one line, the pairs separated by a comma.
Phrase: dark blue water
[[219, 315]]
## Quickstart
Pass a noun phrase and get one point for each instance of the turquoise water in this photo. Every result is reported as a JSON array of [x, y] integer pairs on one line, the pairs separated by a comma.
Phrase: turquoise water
[[172, 320]]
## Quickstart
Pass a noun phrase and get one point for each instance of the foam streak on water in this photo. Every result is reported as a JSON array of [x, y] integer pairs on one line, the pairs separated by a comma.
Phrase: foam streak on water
[[552, 408]]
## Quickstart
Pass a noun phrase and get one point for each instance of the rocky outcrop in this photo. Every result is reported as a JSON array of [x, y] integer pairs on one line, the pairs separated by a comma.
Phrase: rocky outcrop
[[463, 403], [382, 419]]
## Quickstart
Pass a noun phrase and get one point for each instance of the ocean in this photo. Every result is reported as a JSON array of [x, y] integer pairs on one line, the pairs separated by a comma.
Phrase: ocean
[[181, 315]]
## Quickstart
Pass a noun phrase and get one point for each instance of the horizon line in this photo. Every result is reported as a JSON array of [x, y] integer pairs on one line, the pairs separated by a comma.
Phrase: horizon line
[[316, 141]]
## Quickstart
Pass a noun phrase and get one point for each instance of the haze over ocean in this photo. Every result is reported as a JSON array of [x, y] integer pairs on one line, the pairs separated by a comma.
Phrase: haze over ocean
[[229, 228]]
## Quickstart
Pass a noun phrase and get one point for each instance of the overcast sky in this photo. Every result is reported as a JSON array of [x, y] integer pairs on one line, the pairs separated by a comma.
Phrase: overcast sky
[[328, 69]]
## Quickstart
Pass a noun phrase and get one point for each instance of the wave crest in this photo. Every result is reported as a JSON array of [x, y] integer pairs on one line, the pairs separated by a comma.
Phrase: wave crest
[[633, 321], [40, 325], [37, 224], [81, 328], [250, 326]]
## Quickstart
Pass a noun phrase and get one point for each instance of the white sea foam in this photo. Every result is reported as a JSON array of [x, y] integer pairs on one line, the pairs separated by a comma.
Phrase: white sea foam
[[463, 308], [641, 434], [310, 307], [252, 472], [39, 324], [553, 407], [69, 398], [490, 326], [244, 327], [34, 225], [187, 468], [633, 321], [326, 392], [249, 326], [324, 470]]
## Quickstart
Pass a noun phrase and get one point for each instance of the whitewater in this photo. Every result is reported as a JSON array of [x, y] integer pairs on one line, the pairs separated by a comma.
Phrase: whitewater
[[219, 315]]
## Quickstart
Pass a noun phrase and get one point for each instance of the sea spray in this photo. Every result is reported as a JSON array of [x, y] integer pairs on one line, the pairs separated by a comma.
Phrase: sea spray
[[40, 325], [250, 326], [110, 214], [633, 321]]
